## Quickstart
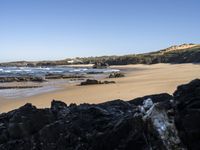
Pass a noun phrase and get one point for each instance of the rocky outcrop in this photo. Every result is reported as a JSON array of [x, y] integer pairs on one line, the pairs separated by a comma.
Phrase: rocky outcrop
[[156, 98], [20, 87], [93, 82], [100, 65], [22, 79], [160, 128], [63, 76], [116, 75], [155, 122], [187, 116], [39, 78]]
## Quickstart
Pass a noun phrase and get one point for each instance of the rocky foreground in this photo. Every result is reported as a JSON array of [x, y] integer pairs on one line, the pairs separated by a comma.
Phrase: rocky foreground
[[155, 122]]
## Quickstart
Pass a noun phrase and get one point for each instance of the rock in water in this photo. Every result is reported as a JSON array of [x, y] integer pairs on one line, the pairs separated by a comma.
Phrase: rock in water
[[100, 65], [22, 79]]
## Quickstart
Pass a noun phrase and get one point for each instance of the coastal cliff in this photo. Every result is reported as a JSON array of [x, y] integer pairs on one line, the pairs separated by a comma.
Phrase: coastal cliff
[[154, 122]]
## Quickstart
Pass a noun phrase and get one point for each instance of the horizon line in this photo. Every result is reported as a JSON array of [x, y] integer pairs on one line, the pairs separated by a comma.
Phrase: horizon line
[[74, 57]]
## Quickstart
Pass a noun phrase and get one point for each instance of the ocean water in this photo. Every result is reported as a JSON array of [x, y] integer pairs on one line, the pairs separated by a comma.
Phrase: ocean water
[[46, 86], [41, 71], [22, 93]]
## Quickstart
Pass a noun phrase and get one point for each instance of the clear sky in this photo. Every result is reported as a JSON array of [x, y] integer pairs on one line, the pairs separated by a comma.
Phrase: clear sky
[[57, 29]]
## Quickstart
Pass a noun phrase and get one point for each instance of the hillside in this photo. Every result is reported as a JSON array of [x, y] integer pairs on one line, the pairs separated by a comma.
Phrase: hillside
[[185, 53], [180, 47], [174, 54]]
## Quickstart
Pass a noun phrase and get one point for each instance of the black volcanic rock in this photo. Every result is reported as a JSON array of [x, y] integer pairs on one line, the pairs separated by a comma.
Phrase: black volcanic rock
[[160, 129], [187, 116], [106, 126], [163, 97], [27, 120], [145, 123]]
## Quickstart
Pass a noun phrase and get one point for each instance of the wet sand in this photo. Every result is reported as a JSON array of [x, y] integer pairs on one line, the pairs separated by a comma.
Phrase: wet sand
[[140, 80]]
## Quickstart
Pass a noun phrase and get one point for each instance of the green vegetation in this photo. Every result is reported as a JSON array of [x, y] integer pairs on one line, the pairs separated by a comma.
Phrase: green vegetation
[[168, 55], [189, 55]]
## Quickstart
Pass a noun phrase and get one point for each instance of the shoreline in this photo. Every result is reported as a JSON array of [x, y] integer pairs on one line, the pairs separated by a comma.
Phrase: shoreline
[[139, 80]]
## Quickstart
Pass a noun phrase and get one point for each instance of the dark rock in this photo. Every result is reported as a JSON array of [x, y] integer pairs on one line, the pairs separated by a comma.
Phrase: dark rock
[[155, 98], [63, 76], [100, 65], [20, 87], [160, 129], [23, 122], [22, 79], [95, 72], [187, 101], [89, 82], [72, 105], [110, 125], [59, 108], [37, 79], [116, 75], [93, 82], [57, 105], [108, 82]]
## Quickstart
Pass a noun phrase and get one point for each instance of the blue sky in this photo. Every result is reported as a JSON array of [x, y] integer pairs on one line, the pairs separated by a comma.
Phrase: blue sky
[[57, 29]]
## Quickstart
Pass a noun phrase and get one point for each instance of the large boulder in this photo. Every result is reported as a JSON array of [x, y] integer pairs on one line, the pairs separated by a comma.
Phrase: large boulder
[[160, 128], [90, 82], [187, 116], [110, 125], [163, 97], [116, 75], [26, 121], [93, 82], [100, 65]]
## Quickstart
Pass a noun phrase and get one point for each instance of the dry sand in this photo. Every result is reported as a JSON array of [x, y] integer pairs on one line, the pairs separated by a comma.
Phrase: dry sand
[[140, 80]]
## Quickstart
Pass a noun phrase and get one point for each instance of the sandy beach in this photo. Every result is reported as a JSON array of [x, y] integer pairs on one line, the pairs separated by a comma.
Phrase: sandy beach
[[140, 80]]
